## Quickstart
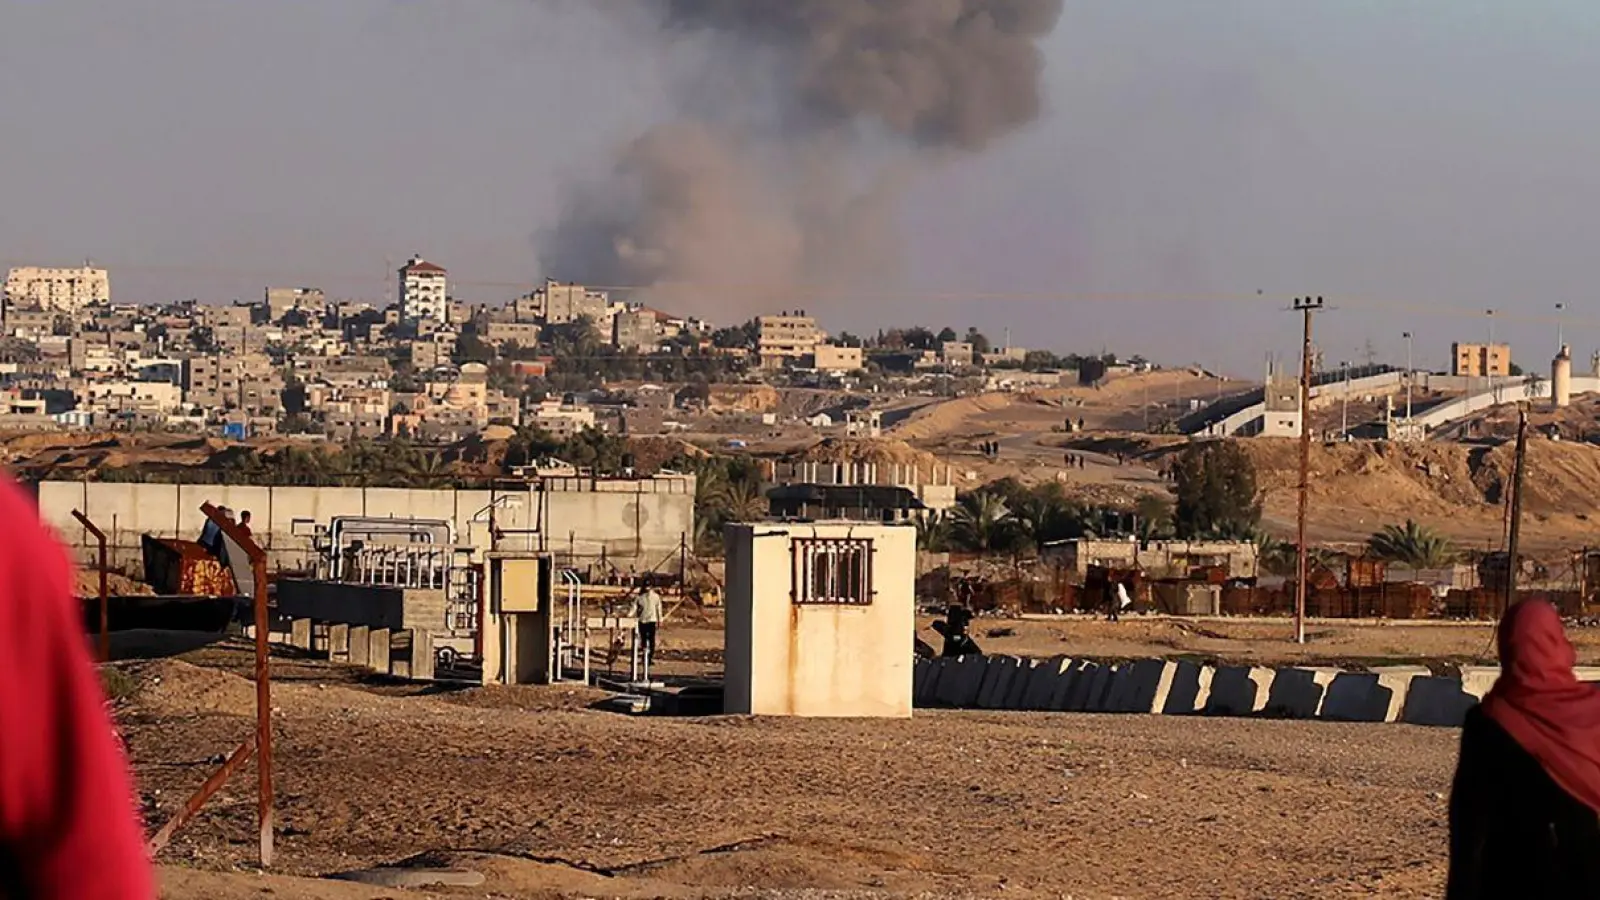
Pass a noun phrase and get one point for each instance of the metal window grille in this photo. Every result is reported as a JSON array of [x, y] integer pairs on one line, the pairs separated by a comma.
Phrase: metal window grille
[[832, 571]]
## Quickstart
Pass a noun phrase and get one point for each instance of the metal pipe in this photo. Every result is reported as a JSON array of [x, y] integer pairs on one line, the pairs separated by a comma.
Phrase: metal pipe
[[105, 592]]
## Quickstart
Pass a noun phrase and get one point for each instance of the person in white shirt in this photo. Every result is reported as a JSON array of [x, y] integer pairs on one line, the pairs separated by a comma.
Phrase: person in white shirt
[[647, 610]]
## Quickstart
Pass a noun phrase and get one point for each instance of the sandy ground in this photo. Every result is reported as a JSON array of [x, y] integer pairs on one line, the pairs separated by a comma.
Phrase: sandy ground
[[560, 800], [1338, 642]]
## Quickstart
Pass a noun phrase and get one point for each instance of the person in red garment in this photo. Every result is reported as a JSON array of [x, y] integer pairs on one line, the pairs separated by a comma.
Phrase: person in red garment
[[68, 828], [1525, 807]]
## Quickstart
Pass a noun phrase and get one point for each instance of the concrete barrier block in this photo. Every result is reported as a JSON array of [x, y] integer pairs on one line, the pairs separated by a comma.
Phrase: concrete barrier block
[[1099, 692], [1479, 680], [1437, 701], [1083, 686], [422, 657], [1394, 682], [339, 642], [1043, 681], [1239, 690], [1297, 692], [1355, 697], [1019, 684], [1188, 690], [929, 695], [379, 643], [1059, 695], [360, 645], [300, 634], [1140, 686], [960, 681], [997, 681]]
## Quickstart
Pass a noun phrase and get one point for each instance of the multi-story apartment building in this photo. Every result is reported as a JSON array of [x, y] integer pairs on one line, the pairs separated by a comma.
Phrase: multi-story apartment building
[[212, 382], [785, 338], [64, 290], [280, 301], [424, 292], [637, 329], [1480, 360], [558, 304]]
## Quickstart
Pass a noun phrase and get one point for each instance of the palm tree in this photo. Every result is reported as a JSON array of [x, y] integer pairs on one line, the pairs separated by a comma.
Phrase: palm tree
[[742, 501], [982, 523], [1413, 545], [933, 532]]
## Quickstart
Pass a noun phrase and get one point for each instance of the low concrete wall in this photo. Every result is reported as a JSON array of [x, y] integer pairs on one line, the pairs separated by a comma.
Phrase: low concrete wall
[[374, 606]]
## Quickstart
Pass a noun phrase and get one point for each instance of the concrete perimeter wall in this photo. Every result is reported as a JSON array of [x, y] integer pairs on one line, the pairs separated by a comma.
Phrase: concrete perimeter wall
[[1407, 694], [634, 522]]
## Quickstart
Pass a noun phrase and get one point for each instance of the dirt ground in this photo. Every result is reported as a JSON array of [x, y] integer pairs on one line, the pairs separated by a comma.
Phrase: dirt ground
[[696, 648], [550, 798]]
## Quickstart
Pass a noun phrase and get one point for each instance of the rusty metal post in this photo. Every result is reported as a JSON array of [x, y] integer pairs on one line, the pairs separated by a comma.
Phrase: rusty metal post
[[1514, 540], [191, 807], [263, 738], [105, 590]]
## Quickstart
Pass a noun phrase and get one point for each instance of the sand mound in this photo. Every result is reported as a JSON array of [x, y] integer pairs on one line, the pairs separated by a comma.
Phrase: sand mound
[[117, 585], [743, 398], [949, 417], [170, 687]]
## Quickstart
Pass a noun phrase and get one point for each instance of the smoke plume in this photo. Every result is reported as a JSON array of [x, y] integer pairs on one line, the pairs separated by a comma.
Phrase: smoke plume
[[795, 132]]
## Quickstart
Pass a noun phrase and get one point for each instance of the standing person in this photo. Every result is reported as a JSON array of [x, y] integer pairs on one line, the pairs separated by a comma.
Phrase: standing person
[[68, 828], [647, 609], [244, 523], [1525, 805], [211, 535]]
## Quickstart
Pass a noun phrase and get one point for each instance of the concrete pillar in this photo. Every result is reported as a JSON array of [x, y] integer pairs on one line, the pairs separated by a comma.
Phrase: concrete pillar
[[421, 655], [300, 634], [339, 642], [360, 649], [378, 644]]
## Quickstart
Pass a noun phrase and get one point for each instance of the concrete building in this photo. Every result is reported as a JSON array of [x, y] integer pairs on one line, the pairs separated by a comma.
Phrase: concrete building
[[66, 290], [424, 292], [523, 334], [213, 382], [638, 330], [1480, 360], [559, 420], [280, 301], [955, 353], [1281, 415], [558, 304], [786, 338], [833, 358], [820, 619]]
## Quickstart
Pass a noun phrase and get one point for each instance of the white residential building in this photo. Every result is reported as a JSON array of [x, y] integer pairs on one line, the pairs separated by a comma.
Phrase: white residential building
[[65, 290], [424, 293]]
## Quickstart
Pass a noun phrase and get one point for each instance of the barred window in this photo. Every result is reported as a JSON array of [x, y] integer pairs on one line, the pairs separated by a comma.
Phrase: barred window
[[833, 571]]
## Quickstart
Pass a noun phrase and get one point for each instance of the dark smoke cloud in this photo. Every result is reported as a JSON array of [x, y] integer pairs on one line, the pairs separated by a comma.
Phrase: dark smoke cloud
[[796, 131]]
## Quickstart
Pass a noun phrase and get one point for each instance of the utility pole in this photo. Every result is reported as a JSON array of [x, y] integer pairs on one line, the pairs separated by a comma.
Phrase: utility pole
[[1306, 306], [1516, 508], [1411, 377], [1344, 404], [1561, 340]]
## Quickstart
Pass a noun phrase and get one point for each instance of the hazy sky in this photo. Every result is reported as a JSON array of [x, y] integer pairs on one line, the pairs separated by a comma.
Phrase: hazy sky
[[1416, 163]]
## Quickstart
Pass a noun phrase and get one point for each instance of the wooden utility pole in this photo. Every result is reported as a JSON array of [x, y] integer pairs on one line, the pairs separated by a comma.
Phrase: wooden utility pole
[[1516, 508], [1306, 306]]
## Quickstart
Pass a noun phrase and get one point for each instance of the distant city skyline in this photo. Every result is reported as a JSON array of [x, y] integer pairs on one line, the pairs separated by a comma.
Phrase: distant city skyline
[[1416, 165]]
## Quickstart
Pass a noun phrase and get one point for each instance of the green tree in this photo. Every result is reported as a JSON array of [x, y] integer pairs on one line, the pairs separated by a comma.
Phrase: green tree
[[1155, 517], [981, 523], [1412, 545], [945, 334], [1217, 496], [978, 340], [933, 532]]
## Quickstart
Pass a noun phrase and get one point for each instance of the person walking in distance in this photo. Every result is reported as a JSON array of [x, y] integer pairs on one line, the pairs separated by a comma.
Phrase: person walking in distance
[[67, 821], [647, 610], [1525, 805]]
